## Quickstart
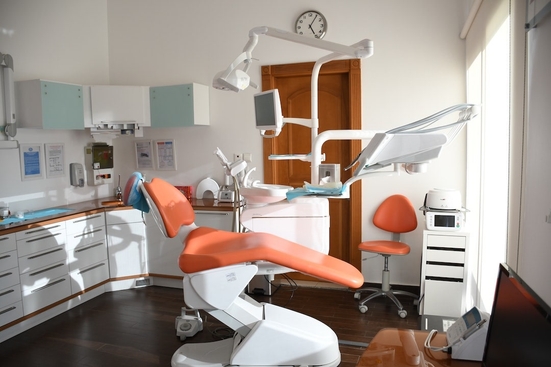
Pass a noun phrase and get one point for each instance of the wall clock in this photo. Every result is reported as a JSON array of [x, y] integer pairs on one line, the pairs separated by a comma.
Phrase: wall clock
[[311, 24]]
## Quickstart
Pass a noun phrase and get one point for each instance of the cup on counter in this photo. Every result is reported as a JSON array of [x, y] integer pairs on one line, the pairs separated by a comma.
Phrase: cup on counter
[[4, 212], [186, 190]]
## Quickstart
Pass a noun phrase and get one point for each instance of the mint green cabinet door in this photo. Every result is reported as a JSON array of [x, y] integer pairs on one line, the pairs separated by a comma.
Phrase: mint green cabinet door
[[62, 106], [179, 105]]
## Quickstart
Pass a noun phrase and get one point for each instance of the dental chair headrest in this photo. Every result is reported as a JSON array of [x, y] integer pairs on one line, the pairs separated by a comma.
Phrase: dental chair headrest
[[132, 194]]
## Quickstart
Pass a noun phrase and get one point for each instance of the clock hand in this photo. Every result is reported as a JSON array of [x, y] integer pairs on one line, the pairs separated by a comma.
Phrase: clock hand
[[313, 20], [312, 29]]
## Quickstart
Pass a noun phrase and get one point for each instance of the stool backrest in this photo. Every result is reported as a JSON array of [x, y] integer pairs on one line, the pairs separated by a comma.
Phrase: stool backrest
[[396, 214]]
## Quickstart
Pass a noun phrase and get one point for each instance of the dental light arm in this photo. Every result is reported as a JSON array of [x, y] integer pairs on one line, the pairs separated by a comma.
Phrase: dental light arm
[[234, 79]]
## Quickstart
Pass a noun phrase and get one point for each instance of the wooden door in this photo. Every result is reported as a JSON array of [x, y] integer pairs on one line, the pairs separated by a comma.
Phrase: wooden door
[[339, 108]]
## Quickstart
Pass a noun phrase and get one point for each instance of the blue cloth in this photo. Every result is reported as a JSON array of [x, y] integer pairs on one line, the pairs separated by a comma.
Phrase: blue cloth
[[133, 195], [309, 189]]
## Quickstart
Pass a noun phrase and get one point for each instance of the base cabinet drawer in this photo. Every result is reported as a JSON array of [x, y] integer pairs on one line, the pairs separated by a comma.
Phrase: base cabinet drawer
[[40, 278], [85, 255], [11, 313], [8, 260], [40, 297], [443, 298], [44, 241], [10, 295], [9, 278], [30, 263], [87, 277]]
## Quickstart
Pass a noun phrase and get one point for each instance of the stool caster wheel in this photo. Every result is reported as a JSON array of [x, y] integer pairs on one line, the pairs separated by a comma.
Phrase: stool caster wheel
[[402, 313], [357, 295], [363, 309]]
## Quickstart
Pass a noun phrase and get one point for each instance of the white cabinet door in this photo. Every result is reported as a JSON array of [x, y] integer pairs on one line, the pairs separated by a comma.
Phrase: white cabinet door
[[116, 104]]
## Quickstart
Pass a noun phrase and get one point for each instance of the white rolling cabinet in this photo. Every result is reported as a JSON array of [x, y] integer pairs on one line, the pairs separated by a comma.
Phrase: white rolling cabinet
[[444, 273], [126, 244], [11, 307], [87, 251], [43, 266]]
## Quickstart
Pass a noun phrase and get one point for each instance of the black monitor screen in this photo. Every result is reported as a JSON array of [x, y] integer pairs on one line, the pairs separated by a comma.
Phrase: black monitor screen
[[519, 333]]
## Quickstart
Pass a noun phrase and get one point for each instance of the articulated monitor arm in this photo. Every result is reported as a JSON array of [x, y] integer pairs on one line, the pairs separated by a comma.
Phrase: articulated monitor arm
[[6, 63]]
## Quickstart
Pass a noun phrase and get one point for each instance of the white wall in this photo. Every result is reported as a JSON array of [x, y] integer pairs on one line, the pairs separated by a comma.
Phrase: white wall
[[417, 69]]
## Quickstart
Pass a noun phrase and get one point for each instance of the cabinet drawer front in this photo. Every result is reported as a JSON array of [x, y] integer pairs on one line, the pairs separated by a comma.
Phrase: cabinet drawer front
[[10, 295], [87, 277], [7, 242], [443, 271], [446, 241], [43, 242], [85, 223], [40, 297], [31, 263], [11, 313], [40, 278], [123, 216], [40, 231], [456, 257], [82, 238], [85, 255], [8, 260], [443, 299], [9, 277]]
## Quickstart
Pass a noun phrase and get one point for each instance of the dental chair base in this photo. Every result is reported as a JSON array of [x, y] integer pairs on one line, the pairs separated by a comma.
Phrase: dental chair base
[[293, 338]]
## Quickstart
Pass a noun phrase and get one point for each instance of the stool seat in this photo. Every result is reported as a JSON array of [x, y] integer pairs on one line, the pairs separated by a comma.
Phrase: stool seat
[[385, 247]]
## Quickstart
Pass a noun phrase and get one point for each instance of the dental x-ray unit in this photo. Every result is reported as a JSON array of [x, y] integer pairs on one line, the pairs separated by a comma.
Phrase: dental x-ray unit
[[218, 265]]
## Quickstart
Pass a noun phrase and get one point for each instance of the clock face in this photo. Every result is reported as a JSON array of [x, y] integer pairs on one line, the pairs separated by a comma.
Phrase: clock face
[[311, 24]]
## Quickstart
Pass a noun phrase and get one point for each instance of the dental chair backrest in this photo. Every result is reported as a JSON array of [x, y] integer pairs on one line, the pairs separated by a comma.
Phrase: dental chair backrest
[[169, 207]]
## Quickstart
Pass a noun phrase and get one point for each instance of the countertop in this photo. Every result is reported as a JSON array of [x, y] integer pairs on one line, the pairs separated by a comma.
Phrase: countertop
[[100, 205]]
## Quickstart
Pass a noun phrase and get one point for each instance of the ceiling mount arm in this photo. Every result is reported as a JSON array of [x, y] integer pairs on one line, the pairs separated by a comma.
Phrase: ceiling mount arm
[[6, 63]]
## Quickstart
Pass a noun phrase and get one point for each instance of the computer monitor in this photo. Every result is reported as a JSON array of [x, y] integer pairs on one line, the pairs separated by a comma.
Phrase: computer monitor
[[267, 109], [519, 332]]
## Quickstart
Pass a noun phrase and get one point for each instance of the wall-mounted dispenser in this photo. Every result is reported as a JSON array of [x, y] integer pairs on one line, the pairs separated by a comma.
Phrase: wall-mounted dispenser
[[77, 174], [99, 163]]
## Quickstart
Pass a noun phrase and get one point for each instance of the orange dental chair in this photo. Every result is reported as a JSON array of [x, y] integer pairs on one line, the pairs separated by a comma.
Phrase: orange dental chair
[[218, 265]]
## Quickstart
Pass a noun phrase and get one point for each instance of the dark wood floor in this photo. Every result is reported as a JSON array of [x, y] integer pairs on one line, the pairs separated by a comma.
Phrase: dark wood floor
[[136, 327]]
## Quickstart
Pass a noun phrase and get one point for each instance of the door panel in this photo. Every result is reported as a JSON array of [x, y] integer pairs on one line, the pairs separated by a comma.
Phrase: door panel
[[339, 96]]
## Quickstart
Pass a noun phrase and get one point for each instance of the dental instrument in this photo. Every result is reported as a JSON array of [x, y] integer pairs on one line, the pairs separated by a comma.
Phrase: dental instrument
[[217, 266]]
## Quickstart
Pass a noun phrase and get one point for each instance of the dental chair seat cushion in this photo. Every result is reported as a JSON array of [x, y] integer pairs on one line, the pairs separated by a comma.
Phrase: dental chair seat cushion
[[385, 247], [208, 248]]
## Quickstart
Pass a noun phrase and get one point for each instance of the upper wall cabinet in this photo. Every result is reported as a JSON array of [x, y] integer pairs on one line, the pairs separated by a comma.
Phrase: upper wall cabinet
[[179, 105], [117, 104], [44, 104]]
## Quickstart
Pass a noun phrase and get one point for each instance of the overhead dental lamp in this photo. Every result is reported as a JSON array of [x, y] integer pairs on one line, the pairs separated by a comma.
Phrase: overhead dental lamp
[[236, 80]]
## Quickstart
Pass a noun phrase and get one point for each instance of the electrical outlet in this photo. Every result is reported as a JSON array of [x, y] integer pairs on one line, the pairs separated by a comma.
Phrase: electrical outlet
[[248, 157]]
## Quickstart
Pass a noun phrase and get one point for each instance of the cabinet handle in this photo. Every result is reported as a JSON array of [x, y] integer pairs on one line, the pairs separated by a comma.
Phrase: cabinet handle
[[4, 257], [457, 249], [89, 247], [42, 229], [86, 218], [44, 254], [119, 122], [48, 285], [7, 310], [4, 238], [445, 279], [43, 237], [6, 274], [87, 233], [221, 213], [442, 263], [91, 268], [47, 269], [6, 292]]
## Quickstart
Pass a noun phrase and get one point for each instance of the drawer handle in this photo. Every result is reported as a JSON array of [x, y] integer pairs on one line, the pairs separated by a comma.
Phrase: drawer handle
[[91, 268], [48, 285], [44, 254], [87, 218], [43, 237], [7, 310], [199, 212], [47, 269], [42, 229], [4, 257], [442, 263], [89, 247], [6, 274], [4, 238], [457, 249], [445, 279], [87, 233], [6, 292]]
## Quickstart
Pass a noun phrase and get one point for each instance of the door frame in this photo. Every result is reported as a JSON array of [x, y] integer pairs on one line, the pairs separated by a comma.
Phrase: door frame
[[352, 68]]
